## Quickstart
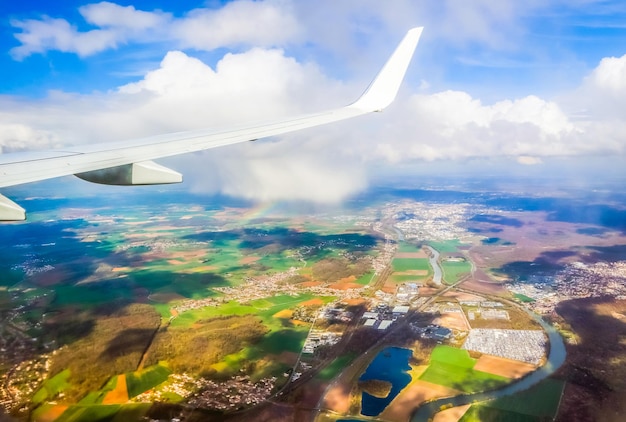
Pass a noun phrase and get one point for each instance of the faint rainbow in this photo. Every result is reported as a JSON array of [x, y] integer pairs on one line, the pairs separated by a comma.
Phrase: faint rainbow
[[261, 210]]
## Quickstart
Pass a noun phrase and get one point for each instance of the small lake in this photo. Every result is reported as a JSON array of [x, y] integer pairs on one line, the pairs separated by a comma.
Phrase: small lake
[[390, 365]]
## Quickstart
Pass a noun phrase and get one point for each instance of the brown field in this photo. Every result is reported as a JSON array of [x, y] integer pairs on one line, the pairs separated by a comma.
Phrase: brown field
[[420, 254], [427, 291], [504, 367], [202, 269], [185, 257], [119, 394], [310, 284], [345, 286], [532, 237], [349, 279], [389, 287], [285, 313], [313, 302], [417, 392], [337, 398], [288, 358], [462, 296], [300, 323], [595, 366], [482, 287], [355, 302], [249, 259], [52, 414], [452, 320], [421, 273], [141, 235], [175, 261], [451, 415]]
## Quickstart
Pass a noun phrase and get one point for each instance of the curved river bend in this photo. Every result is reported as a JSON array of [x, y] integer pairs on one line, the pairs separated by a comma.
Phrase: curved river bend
[[555, 360]]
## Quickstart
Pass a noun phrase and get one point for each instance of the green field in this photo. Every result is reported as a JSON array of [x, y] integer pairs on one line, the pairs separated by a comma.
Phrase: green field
[[538, 403], [51, 387], [80, 413], [408, 264], [365, 279], [335, 367], [408, 248], [89, 295], [453, 270], [102, 280], [101, 413], [446, 246], [453, 368], [141, 381], [523, 298], [188, 318]]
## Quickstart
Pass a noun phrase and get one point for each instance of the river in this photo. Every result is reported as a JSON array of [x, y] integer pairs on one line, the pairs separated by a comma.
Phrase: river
[[556, 358], [434, 262]]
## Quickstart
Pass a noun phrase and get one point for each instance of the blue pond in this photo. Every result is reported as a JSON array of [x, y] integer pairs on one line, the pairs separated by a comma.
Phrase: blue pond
[[391, 365]]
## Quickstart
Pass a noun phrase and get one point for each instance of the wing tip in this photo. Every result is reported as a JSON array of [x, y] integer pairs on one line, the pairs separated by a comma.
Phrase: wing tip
[[384, 88], [10, 211]]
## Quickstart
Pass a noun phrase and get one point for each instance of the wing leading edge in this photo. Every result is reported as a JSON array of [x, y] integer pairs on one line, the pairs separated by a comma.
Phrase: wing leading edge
[[129, 162]]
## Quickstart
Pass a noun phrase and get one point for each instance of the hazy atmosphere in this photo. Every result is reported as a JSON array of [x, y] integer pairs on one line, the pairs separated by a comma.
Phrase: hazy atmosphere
[[458, 257]]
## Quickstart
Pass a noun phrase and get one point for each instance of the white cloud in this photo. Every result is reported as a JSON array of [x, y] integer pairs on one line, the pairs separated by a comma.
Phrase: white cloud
[[39, 36], [241, 23], [106, 14], [262, 23], [20, 137], [324, 164], [609, 76]]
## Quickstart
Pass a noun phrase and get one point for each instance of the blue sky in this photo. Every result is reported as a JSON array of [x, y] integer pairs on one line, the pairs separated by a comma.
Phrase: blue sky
[[525, 82], [543, 48]]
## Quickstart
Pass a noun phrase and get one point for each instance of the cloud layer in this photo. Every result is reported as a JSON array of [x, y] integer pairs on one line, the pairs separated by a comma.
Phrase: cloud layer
[[243, 22], [261, 82]]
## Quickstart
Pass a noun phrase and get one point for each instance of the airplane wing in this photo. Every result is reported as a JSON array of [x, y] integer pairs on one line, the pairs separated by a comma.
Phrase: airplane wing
[[129, 162]]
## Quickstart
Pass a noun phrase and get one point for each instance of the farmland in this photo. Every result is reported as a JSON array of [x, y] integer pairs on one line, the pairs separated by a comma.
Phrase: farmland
[[453, 368], [179, 304]]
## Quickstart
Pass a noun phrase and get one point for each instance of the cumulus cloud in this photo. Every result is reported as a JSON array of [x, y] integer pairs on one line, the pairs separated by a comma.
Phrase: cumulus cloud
[[111, 15], [20, 137], [241, 23], [324, 164], [39, 36], [263, 23]]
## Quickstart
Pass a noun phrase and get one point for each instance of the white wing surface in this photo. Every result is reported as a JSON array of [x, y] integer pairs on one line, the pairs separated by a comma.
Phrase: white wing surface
[[129, 162]]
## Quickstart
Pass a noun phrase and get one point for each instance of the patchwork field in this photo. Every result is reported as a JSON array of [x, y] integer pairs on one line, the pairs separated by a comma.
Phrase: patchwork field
[[120, 287], [415, 393], [504, 367], [454, 368]]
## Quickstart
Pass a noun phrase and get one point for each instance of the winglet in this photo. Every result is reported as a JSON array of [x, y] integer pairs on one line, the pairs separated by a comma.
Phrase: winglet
[[10, 211], [382, 91]]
